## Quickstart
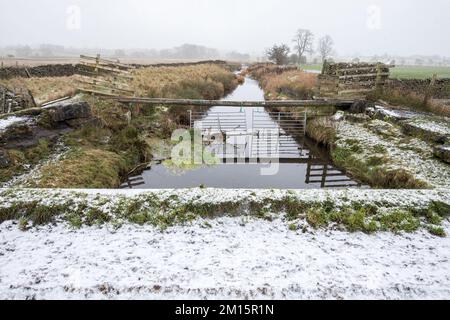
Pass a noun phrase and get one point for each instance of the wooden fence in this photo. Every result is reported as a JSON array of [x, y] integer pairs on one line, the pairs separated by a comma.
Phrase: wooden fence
[[104, 77], [350, 79]]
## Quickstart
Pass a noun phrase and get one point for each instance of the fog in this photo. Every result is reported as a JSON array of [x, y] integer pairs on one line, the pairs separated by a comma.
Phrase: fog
[[358, 27]]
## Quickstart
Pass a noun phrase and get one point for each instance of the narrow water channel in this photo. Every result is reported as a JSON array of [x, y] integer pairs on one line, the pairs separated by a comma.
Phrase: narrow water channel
[[254, 148]]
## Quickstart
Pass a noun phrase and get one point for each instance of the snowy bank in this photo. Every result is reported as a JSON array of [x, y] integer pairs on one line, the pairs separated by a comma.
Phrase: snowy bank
[[7, 122], [356, 210], [231, 258]]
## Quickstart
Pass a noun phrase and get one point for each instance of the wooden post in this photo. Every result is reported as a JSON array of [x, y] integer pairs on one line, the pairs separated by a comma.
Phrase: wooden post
[[97, 62], [338, 79], [378, 78], [430, 90], [4, 101], [324, 176]]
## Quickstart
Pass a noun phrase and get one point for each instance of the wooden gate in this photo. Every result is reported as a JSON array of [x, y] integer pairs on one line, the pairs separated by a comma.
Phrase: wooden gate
[[104, 77], [344, 79]]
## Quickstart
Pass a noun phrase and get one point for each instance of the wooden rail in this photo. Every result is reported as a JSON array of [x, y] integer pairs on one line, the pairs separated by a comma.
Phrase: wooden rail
[[339, 79], [224, 103]]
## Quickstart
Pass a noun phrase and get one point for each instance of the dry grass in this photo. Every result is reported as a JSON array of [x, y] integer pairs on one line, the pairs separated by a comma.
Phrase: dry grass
[[291, 84], [284, 83], [207, 81], [439, 107], [410, 100], [84, 168], [322, 130], [43, 89]]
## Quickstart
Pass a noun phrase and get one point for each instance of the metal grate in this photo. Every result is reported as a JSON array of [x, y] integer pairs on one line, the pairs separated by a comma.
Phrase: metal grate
[[218, 121], [287, 123], [252, 133]]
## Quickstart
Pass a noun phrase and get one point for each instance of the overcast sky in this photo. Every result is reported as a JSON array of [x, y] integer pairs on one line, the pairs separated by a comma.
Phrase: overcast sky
[[362, 27]]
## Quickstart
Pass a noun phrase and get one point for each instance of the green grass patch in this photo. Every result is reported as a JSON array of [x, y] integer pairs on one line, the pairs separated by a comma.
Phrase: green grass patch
[[373, 171], [163, 213], [83, 168], [419, 72], [311, 67], [28, 156]]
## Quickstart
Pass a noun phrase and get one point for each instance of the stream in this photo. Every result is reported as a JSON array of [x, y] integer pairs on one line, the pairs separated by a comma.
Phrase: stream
[[253, 148]]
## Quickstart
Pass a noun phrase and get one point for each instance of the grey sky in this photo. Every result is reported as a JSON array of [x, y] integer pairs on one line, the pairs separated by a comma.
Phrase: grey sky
[[405, 26]]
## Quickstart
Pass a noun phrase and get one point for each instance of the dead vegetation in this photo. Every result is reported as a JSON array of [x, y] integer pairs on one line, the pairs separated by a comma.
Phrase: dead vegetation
[[44, 89], [322, 130], [284, 82], [205, 81], [411, 100]]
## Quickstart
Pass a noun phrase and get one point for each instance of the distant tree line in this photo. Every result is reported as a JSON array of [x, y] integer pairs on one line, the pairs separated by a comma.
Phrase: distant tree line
[[303, 44], [185, 51]]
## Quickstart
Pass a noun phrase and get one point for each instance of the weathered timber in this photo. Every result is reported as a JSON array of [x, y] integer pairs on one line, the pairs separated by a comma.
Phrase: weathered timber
[[108, 90], [371, 68], [350, 78], [98, 93], [211, 103], [366, 75], [90, 80], [104, 61], [94, 66], [54, 101]]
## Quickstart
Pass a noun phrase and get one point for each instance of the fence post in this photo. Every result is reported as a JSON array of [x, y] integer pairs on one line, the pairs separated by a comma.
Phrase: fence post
[[338, 79], [378, 78], [430, 90], [97, 62]]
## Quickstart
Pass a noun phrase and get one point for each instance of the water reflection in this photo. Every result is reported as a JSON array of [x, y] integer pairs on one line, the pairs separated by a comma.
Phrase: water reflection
[[248, 141]]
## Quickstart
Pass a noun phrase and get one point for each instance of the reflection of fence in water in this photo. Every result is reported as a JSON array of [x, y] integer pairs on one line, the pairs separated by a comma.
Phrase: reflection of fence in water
[[251, 133], [319, 171], [133, 182]]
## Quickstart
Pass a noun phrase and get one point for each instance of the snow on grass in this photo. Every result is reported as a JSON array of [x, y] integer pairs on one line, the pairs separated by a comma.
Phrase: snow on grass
[[395, 113], [230, 258], [388, 198], [410, 154], [437, 126], [33, 173], [5, 123], [225, 257]]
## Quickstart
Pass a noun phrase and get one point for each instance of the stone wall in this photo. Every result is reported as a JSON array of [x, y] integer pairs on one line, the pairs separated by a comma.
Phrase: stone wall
[[441, 89], [55, 70]]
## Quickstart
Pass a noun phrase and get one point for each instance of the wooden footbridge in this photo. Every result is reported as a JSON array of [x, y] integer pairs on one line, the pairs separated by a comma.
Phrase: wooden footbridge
[[225, 103]]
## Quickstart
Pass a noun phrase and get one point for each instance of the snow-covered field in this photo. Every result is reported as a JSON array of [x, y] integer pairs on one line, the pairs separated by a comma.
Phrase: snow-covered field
[[414, 155], [232, 258]]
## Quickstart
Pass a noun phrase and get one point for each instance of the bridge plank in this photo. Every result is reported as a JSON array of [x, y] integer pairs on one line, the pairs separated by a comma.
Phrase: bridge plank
[[211, 103]]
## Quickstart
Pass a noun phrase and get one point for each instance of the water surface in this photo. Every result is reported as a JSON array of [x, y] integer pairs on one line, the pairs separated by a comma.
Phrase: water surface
[[255, 149]]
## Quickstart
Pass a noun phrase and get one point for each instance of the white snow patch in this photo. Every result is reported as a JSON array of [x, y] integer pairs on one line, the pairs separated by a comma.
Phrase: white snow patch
[[415, 155], [5, 123], [235, 259], [397, 198], [432, 126]]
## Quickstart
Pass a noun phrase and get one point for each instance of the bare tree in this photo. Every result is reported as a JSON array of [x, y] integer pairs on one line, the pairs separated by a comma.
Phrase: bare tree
[[325, 47], [278, 54], [303, 42]]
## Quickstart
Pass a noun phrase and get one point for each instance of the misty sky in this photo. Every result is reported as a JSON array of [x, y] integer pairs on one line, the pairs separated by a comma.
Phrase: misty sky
[[360, 27]]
